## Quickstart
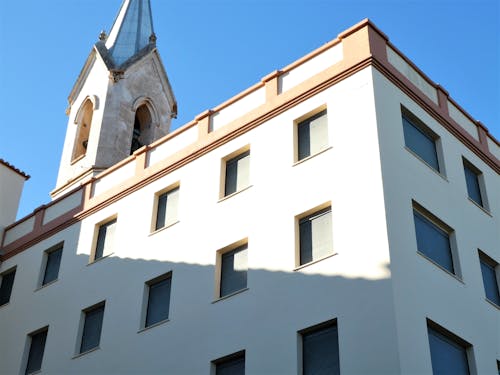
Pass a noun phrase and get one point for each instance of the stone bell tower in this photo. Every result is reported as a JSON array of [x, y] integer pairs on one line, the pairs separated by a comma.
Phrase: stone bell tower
[[121, 100]]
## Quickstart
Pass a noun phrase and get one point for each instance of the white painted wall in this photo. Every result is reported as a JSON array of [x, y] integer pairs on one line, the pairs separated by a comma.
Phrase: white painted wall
[[421, 289]]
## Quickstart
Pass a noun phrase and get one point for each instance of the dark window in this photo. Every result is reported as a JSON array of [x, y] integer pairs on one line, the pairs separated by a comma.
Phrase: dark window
[[315, 232], [472, 182], [167, 208], [420, 141], [6, 286], [312, 135], [433, 241], [448, 355], [490, 281], [37, 347], [105, 239], [237, 173], [320, 350], [234, 268], [158, 300], [52, 265], [92, 328], [231, 365]]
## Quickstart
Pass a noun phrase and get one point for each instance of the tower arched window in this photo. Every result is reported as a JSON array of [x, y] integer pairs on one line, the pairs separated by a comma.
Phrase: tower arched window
[[84, 123], [142, 132]]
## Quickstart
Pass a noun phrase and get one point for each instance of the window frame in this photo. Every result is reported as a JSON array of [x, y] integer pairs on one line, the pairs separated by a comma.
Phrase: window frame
[[238, 245], [112, 219], [156, 207], [236, 155], [45, 262], [481, 186], [28, 347], [236, 356], [2, 275], [452, 339], [426, 131], [296, 133], [81, 328], [441, 226], [316, 211], [495, 267], [311, 330], [146, 300]]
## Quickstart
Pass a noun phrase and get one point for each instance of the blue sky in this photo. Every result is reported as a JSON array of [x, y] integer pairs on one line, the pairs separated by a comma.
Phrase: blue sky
[[212, 50]]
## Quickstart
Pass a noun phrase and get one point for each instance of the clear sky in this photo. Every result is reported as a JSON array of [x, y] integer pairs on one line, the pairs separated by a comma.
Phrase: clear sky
[[212, 50]]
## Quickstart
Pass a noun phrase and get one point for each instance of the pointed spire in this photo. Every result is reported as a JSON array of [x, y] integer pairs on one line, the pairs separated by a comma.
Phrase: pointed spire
[[131, 31]]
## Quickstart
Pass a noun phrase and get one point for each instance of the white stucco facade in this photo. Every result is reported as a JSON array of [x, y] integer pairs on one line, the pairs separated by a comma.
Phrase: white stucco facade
[[376, 285]]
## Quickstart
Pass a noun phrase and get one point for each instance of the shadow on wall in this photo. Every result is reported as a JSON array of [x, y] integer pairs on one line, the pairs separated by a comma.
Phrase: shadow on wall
[[264, 319]]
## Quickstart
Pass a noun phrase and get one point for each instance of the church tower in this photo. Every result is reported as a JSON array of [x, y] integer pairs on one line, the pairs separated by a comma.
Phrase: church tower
[[121, 101]]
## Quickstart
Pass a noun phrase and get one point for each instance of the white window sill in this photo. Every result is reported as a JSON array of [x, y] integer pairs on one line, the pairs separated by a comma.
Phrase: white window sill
[[100, 259], [164, 228], [479, 206], [34, 372], [456, 277], [298, 268], [85, 353], [297, 162], [230, 295], [440, 174], [45, 285], [233, 194], [492, 303], [154, 325]]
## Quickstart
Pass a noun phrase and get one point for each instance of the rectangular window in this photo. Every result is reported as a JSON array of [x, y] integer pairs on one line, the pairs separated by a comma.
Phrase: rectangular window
[[473, 182], [312, 135], [315, 236], [448, 351], [158, 306], [52, 263], [92, 327], [167, 208], [37, 347], [420, 139], [237, 173], [489, 269], [6, 285], [233, 270], [105, 239], [320, 350], [433, 239], [233, 364]]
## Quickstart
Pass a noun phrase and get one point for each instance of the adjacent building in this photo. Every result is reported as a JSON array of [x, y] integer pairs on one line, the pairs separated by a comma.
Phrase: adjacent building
[[339, 216]]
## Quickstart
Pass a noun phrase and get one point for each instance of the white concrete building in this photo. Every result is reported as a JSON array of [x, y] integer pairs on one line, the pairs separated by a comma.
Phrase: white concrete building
[[339, 216]]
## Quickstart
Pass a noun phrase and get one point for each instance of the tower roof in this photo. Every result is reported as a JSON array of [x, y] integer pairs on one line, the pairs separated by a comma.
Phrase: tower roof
[[131, 31]]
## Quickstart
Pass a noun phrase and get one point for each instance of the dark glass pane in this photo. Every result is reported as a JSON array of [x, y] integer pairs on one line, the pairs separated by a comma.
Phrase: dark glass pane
[[473, 189], [304, 140], [231, 177], [433, 242], [490, 283], [37, 348], [158, 302], [233, 366], [234, 270], [320, 352], [92, 329], [305, 233], [420, 143], [6, 286], [52, 267], [105, 239], [162, 211], [448, 357]]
